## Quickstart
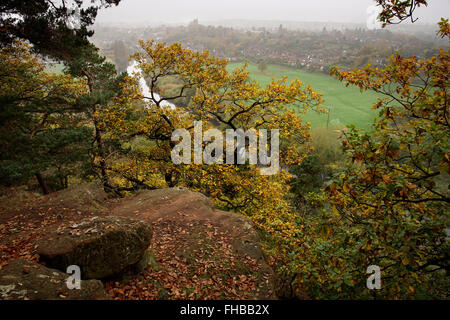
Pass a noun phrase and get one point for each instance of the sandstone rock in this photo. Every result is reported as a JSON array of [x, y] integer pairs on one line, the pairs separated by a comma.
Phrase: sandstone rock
[[100, 246], [22, 279], [84, 197], [181, 206]]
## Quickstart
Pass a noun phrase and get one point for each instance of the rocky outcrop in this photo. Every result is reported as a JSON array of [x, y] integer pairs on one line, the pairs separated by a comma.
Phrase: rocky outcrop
[[21, 279], [187, 206], [193, 212], [195, 252], [100, 246]]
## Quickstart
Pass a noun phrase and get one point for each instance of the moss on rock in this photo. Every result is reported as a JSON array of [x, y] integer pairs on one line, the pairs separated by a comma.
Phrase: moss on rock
[[101, 247]]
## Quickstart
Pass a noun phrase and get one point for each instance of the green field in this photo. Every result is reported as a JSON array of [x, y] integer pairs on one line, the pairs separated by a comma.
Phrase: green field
[[347, 105]]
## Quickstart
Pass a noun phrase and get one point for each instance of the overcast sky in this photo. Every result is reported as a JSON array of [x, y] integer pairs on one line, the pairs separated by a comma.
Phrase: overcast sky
[[170, 11]]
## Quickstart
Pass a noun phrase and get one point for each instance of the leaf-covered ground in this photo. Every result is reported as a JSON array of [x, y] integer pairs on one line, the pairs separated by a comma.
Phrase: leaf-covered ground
[[188, 258], [191, 262]]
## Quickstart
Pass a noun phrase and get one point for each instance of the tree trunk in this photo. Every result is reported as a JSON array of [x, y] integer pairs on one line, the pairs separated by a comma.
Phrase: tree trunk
[[101, 153], [42, 183], [98, 137], [168, 177]]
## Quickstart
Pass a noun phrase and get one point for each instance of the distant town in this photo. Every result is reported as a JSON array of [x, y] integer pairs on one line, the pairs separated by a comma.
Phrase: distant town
[[314, 48]]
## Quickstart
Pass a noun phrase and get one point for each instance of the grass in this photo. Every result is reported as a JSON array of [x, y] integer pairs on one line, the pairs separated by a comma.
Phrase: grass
[[347, 105]]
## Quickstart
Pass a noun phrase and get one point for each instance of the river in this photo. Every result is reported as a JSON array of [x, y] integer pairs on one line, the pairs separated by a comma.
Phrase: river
[[145, 90]]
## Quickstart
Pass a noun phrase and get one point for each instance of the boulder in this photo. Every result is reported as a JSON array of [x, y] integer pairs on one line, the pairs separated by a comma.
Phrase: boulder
[[100, 246], [22, 279]]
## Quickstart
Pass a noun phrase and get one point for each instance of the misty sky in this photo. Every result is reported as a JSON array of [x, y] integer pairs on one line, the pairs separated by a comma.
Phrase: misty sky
[[170, 11]]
